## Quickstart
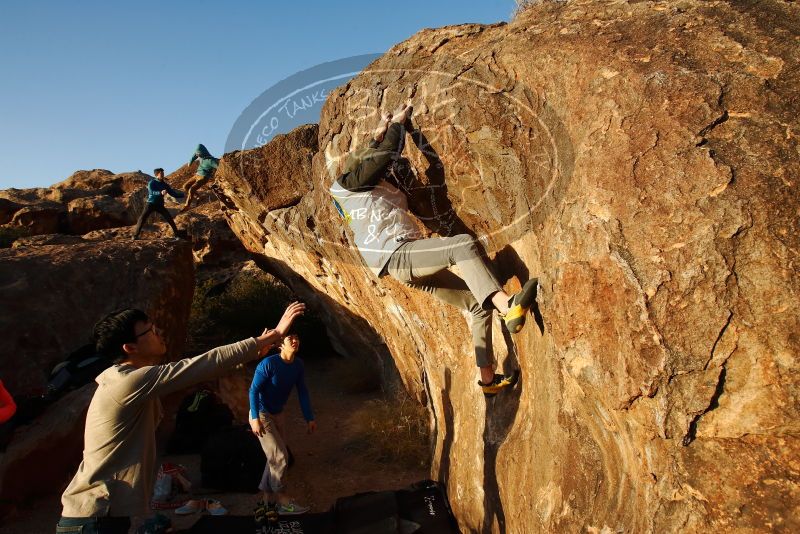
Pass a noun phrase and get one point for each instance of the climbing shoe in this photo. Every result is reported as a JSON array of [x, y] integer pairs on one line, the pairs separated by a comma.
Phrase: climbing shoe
[[260, 514], [264, 514], [292, 509], [499, 383], [519, 305], [271, 512]]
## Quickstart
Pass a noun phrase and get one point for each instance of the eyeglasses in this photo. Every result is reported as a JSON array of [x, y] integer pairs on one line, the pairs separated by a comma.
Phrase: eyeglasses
[[143, 333]]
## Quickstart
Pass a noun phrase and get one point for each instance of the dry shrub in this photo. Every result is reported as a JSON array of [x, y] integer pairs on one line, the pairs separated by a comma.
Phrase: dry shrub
[[243, 307], [247, 305], [394, 430]]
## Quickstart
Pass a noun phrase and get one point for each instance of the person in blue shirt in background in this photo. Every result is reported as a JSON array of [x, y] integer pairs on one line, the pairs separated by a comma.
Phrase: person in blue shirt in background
[[156, 189], [273, 381]]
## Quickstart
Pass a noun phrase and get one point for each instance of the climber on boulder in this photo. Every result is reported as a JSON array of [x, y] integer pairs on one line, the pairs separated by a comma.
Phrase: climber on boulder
[[156, 189], [205, 172], [389, 242]]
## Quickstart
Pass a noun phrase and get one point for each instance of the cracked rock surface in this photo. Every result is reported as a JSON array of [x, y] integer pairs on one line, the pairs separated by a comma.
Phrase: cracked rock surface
[[641, 159]]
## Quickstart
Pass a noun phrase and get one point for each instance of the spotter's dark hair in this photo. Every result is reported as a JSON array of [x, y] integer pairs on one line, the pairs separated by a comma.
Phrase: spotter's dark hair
[[116, 329]]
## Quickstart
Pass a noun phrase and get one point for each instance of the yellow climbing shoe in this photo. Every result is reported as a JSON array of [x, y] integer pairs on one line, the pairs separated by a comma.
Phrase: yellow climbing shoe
[[499, 383], [519, 305]]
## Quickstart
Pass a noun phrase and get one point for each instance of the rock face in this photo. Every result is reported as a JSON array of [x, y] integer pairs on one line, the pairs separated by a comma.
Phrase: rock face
[[86, 201], [52, 295], [641, 160], [100, 205], [55, 288], [283, 189]]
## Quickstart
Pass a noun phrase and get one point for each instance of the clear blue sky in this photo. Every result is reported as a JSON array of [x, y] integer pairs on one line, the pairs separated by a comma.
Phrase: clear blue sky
[[136, 85]]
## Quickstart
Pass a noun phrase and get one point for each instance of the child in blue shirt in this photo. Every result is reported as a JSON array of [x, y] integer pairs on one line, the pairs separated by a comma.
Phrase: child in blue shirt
[[273, 381]]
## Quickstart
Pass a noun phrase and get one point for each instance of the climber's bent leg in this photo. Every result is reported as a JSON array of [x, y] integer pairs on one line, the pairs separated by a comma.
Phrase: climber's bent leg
[[425, 257], [452, 290], [164, 212], [197, 182], [148, 209], [423, 264]]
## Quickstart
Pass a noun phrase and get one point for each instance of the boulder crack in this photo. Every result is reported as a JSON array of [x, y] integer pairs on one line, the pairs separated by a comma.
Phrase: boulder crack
[[719, 337], [713, 404], [709, 127]]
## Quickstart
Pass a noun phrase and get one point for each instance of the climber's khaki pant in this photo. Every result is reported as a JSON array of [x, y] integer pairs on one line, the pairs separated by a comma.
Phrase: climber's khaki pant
[[274, 446], [423, 264]]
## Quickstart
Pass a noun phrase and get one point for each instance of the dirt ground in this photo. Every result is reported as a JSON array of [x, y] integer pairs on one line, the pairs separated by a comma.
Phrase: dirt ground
[[328, 464]]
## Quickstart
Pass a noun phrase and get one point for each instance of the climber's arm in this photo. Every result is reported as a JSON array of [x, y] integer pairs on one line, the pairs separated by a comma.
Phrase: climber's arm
[[367, 172]]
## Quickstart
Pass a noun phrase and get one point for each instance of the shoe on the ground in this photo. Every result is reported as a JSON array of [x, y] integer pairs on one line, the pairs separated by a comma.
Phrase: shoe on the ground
[[292, 509], [519, 305], [191, 507], [499, 383], [215, 507]]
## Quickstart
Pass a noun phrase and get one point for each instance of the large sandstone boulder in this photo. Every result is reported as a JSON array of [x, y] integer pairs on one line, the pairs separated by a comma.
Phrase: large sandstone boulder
[[87, 179], [95, 213], [7, 209], [51, 297], [641, 160], [213, 242], [99, 181], [282, 189], [40, 218], [53, 294], [84, 202]]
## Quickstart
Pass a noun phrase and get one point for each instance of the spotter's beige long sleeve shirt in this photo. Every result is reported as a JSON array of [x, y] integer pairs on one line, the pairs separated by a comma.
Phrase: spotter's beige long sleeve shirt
[[117, 473]]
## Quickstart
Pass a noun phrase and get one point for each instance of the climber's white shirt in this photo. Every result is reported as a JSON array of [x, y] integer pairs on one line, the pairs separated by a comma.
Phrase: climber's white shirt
[[379, 219]]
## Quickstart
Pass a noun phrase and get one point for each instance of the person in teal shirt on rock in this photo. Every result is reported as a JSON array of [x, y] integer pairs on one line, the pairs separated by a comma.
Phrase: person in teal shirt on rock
[[205, 171]]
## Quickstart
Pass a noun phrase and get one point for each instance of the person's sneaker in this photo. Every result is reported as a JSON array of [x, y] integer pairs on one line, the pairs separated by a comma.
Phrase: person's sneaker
[[272, 512], [191, 507], [292, 509], [519, 305], [260, 514], [499, 383], [214, 507]]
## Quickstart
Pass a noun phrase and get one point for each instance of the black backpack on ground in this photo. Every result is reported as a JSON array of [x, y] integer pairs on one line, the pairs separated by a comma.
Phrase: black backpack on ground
[[199, 416], [80, 368], [232, 460], [422, 508], [425, 503]]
